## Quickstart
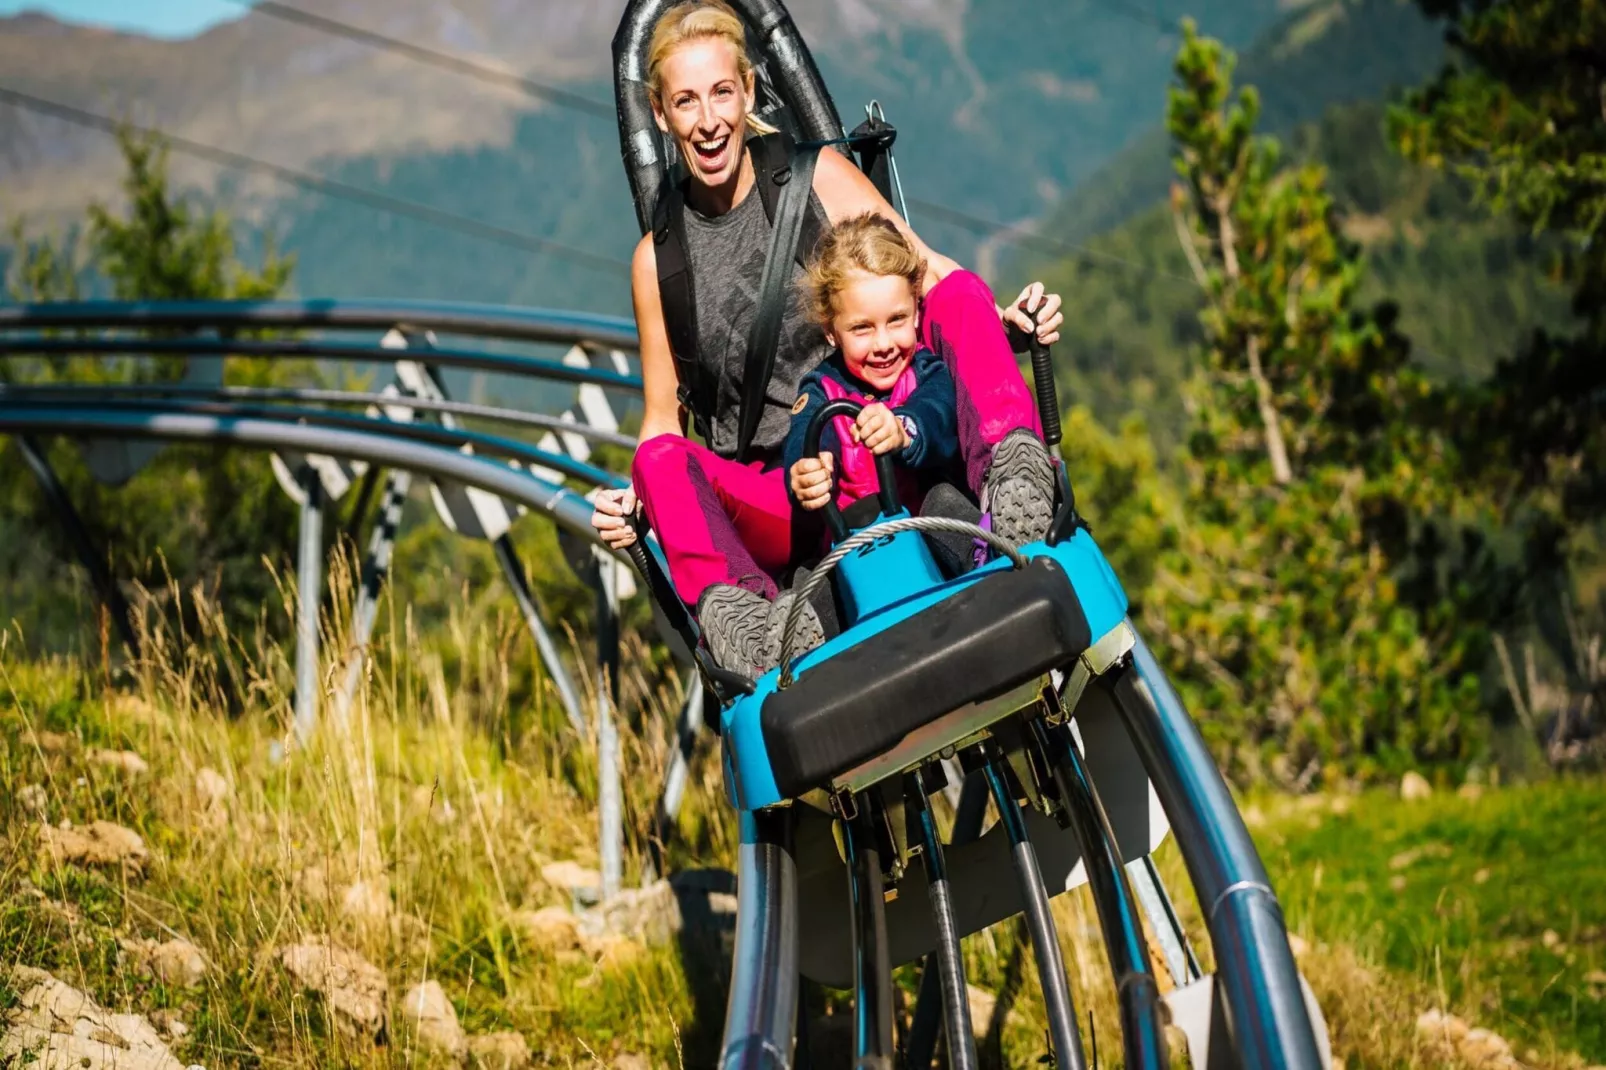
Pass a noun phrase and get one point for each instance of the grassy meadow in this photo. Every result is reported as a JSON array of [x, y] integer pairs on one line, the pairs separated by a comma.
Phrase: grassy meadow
[[421, 838]]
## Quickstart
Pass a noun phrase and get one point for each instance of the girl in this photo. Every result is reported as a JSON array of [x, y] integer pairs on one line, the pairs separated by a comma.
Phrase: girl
[[726, 527], [863, 289]]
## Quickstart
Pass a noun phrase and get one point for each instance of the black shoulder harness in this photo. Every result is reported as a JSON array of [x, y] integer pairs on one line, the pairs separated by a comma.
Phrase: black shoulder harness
[[772, 168]]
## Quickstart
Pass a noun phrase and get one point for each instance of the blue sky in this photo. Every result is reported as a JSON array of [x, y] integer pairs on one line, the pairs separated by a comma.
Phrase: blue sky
[[159, 18]]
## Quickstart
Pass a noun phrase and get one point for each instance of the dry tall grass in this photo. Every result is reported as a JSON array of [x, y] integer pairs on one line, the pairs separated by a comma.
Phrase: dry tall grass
[[416, 837]]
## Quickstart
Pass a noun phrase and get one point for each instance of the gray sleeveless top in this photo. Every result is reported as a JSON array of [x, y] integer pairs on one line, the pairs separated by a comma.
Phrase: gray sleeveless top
[[726, 257]]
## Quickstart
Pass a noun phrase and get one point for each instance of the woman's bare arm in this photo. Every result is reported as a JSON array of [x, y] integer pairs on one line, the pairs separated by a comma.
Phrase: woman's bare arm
[[660, 380], [662, 413], [845, 191]]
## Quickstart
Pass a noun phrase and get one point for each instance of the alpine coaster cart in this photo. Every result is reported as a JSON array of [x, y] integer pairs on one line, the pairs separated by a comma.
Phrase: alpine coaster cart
[[1022, 681]]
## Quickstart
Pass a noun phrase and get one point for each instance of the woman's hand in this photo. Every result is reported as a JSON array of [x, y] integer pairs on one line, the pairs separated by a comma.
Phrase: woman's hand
[[1045, 306], [879, 430], [811, 481], [613, 511]]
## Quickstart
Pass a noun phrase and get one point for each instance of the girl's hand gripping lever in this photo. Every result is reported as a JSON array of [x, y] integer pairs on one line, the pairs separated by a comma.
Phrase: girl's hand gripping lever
[[885, 474]]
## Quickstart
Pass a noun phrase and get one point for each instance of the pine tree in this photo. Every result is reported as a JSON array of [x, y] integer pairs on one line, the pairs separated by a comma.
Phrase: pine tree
[[197, 514], [163, 250], [1520, 114], [1314, 637]]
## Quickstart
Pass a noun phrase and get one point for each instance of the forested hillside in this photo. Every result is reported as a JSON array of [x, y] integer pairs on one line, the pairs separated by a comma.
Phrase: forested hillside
[[1322, 54], [1003, 125], [1469, 288], [1000, 115], [1000, 118]]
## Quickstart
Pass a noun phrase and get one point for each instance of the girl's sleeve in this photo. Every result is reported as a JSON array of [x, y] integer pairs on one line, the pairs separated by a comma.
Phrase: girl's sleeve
[[810, 396], [929, 415]]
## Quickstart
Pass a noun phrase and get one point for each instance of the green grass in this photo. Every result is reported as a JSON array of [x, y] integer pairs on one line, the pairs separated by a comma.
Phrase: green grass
[[1458, 894], [437, 723]]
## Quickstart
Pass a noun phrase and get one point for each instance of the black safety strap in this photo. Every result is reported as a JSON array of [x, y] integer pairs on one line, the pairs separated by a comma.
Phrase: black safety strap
[[676, 297], [872, 140], [797, 181]]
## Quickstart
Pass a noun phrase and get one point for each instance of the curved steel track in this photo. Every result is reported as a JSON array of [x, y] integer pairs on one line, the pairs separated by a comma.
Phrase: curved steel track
[[1253, 1012]]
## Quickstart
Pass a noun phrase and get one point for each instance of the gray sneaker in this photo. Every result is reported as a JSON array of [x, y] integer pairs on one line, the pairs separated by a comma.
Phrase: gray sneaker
[[810, 632], [1020, 488], [735, 624]]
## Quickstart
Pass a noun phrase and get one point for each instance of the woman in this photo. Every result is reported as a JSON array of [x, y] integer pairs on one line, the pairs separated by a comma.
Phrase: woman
[[727, 527]]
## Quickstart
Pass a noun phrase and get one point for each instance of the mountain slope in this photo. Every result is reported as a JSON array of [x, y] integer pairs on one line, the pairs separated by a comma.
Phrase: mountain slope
[[1330, 52], [1468, 287], [998, 112]]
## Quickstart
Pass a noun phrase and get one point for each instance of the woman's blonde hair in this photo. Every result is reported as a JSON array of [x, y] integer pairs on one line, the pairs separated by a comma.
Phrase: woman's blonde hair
[[698, 20], [869, 243]]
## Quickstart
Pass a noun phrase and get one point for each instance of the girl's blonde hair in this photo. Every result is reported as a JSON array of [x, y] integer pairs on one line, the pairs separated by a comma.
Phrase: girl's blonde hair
[[698, 20], [869, 243]]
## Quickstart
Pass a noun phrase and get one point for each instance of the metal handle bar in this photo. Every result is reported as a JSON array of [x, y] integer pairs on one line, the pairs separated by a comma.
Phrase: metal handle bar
[[885, 476], [863, 538]]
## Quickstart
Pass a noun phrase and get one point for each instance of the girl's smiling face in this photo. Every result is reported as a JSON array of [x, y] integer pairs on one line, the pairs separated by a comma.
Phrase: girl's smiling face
[[874, 323]]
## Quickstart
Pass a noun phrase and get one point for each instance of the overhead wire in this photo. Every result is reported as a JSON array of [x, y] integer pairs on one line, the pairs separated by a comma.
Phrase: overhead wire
[[1019, 234], [384, 202], [485, 72]]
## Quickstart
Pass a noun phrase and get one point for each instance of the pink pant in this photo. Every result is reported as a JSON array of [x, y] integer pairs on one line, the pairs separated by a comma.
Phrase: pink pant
[[723, 522]]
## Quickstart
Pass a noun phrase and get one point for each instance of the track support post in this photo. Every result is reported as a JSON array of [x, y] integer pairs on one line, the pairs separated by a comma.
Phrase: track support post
[[111, 596], [1137, 993], [507, 557], [309, 584], [872, 966], [1256, 977], [958, 1028], [610, 803], [375, 570], [1067, 1038]]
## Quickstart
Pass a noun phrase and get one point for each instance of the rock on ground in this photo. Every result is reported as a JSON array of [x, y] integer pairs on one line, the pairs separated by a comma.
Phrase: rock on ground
[[571, 877], [169, 1024], [660, 911], [1414, 786], [982, 1004], [135, 708], [212, 787], [1410, 857], [173, 962], [433, 1020], [366, 901], [125, 761], [500, 1051], [52, 742], [632, 1061], [34, 799], [650, 915], [550, 928], [100, 843], [354, 988], [53, 1026], [1477, 1047], [313, 884]]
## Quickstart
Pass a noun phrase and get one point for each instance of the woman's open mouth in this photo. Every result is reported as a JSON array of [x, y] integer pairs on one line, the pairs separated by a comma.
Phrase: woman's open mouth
[[711, 154]]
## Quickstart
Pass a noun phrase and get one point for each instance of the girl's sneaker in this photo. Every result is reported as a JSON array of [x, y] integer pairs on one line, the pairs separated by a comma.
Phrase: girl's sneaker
[[810, 632], [1019, 491], [735, 624]]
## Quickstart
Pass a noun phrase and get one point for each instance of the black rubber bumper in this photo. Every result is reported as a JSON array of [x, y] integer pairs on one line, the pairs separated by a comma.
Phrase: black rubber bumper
[[984, 641]]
